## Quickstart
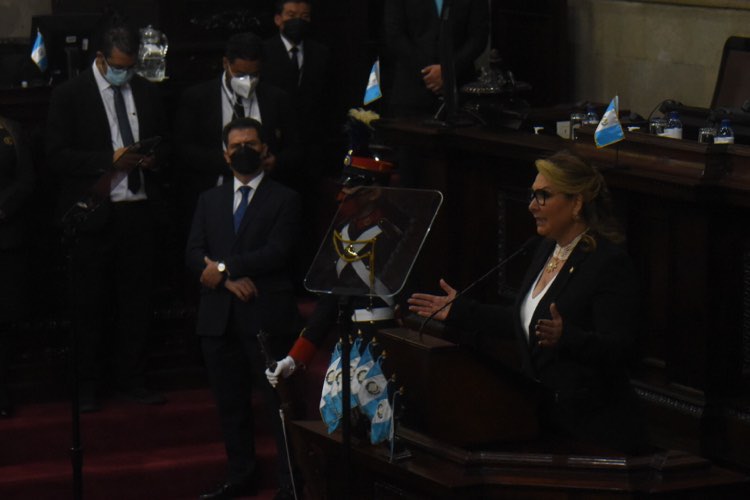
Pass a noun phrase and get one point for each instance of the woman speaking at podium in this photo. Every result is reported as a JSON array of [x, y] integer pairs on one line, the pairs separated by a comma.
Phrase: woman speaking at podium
[[576, 315]]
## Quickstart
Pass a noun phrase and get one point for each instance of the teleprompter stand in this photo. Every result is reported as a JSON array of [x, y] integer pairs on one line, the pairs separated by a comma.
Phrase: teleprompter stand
[[365, 258]]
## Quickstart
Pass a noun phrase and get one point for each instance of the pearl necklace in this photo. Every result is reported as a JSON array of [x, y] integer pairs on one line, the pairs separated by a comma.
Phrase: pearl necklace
[[561, 254]]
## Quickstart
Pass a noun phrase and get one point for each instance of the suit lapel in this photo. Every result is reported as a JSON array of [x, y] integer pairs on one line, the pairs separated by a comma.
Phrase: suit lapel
[[566, 274], [100, 120]]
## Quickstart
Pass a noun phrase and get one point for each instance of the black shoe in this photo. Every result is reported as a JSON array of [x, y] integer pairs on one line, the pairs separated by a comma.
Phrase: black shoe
[[230, 490], [6, 411], [143, 396]]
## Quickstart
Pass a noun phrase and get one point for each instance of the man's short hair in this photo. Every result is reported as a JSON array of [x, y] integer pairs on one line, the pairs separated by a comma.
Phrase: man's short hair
[[122, 37], [242, 124], [280, 4], [244, 46]]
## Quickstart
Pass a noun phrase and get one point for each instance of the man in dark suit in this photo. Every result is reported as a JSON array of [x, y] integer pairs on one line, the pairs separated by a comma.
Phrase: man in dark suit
[[299, 65], [412, 35], [240, 245], [207, 107], [93, 119]]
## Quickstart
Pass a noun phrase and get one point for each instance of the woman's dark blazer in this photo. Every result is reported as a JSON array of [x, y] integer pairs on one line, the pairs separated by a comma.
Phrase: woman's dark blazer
[[588, 394]]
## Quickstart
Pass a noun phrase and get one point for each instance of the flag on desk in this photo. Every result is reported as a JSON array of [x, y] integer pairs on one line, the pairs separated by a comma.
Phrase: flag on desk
[[609, 130], [39, 53], [359, 373], [354, 358], [381, 427], [327, 410], [372, 92], [373, 389]]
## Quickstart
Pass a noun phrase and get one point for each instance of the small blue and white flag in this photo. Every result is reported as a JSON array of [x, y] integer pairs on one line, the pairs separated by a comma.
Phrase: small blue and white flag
[[327, 410], [360, 372], [372, 92], [354, 357], [609, 130], [381, 427], [39, 53], [372, 389]]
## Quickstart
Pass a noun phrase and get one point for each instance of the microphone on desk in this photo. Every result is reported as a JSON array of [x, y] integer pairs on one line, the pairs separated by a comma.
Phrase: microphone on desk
[[663, 107], [520, 251]]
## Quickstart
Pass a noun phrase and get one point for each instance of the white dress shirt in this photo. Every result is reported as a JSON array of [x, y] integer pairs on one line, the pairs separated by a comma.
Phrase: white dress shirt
[[119, 189]]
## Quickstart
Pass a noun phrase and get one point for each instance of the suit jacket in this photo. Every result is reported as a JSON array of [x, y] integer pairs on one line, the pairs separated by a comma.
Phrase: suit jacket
[[586, 374], [261, 251], [16, 183], [198, 141], [79, 144], [309, 94], [412, 35]]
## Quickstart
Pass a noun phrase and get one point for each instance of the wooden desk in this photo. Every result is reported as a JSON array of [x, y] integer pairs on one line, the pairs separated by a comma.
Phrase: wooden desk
[[436, 470]]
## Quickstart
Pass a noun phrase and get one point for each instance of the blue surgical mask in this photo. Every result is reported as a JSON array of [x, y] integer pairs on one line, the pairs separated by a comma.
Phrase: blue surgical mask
[[118, 76]]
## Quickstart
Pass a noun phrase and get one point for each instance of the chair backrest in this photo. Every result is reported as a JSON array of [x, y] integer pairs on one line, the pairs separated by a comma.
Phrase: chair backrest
[[733, 83]]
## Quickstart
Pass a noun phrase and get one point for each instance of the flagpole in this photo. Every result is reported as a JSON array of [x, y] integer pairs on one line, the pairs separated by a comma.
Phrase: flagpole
[[344, 327]]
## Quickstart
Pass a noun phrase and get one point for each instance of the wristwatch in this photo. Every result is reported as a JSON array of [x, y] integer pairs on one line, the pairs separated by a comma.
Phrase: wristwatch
[[221, 267]]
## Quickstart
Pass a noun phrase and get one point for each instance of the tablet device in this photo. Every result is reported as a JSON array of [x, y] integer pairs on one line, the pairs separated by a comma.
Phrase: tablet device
[[145, 147]]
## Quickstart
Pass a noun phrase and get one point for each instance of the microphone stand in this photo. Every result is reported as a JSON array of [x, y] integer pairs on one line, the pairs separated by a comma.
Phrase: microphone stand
[[75, 216], [522, 249]]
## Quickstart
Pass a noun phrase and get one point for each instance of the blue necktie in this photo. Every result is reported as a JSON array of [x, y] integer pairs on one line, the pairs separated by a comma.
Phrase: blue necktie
[[240, 212], [123, 123], [439, 5]]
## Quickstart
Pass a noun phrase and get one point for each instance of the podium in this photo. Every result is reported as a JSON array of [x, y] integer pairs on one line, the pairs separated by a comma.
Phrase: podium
[[445, 383]]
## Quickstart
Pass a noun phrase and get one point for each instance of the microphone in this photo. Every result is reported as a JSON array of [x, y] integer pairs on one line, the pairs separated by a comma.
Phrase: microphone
[[521, 250]]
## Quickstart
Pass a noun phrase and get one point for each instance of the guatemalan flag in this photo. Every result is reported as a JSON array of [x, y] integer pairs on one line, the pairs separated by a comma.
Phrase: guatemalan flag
[[327, 410], [39, 53], [359, 373], [354, 358], [373, 389], [381, 426], [372, 92], [609, 130]]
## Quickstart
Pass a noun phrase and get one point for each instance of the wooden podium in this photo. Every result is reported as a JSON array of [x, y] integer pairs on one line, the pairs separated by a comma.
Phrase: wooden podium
[[445, 383]]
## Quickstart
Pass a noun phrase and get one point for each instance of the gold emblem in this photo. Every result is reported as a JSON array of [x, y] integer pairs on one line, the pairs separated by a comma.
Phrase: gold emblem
[[8, 140]]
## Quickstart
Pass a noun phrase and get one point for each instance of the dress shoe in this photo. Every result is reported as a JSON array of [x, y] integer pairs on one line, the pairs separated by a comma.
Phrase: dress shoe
[[231, 490], [6, 411], [143, 396]]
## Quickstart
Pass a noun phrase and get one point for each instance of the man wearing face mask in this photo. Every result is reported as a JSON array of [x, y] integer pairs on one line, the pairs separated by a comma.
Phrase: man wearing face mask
[[240, 245], [207, 107], [299, 65], [92, 120]]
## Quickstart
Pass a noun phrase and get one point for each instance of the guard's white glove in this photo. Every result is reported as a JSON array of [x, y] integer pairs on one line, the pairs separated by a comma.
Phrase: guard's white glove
[[284, 368]]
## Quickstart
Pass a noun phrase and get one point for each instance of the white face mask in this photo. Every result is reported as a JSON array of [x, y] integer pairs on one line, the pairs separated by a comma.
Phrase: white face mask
[[244, 85]]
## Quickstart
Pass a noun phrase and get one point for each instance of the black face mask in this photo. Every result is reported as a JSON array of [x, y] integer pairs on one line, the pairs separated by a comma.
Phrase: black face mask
[[245, 160], [296, 29]]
